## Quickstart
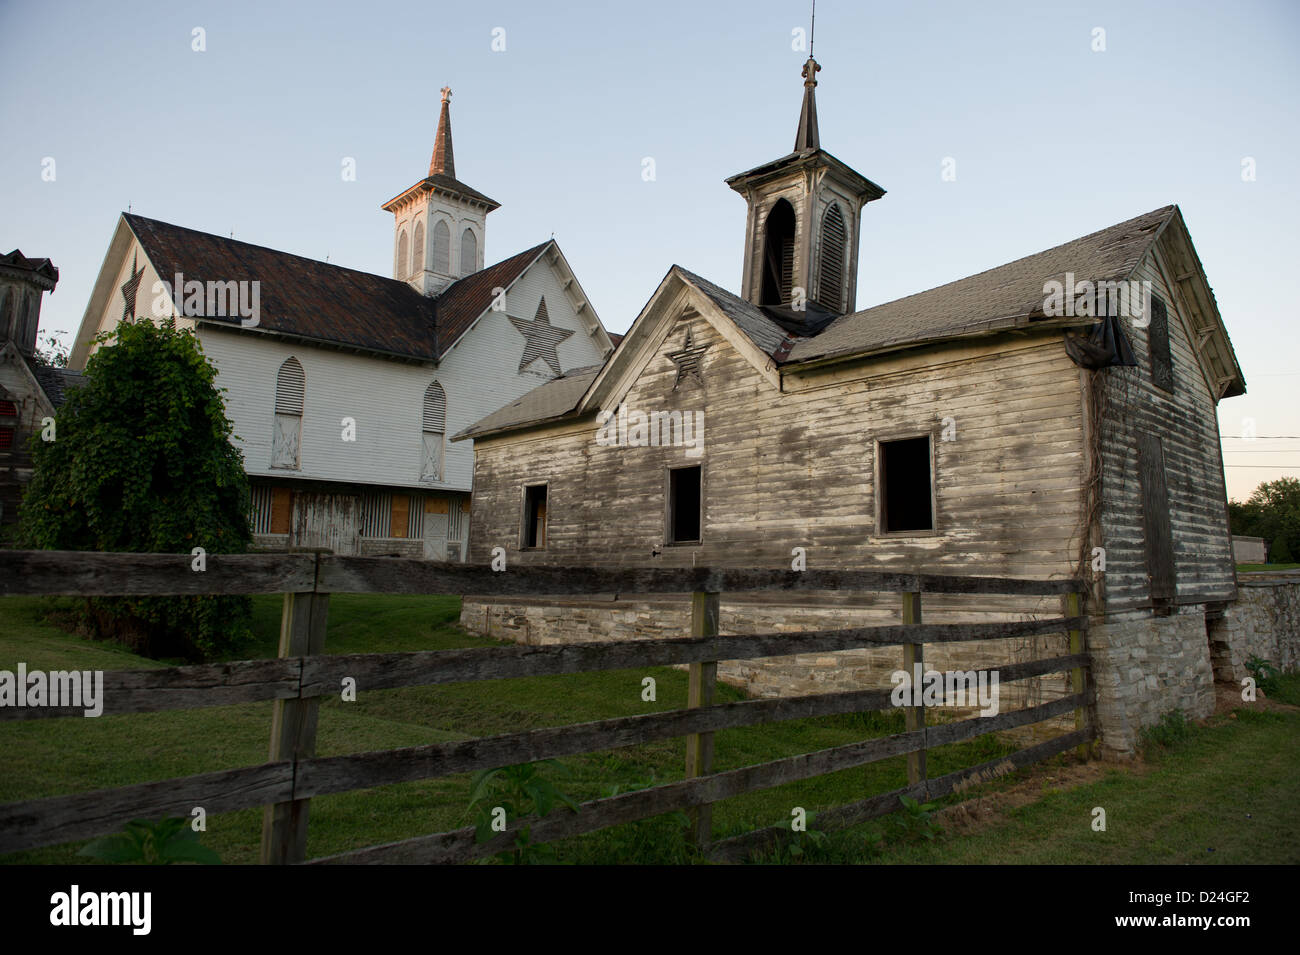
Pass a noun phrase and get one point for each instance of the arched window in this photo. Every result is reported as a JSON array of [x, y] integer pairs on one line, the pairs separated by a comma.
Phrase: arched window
[[290, 391], [468, 252], [441, 248], [403, 253], [435, 429], [417, 251], [778, 255], [830, 281]]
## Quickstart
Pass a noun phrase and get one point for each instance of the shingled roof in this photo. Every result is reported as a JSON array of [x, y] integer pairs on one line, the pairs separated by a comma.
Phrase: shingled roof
[[1003, 297], [321, 302], [555, 399], [56, 382]]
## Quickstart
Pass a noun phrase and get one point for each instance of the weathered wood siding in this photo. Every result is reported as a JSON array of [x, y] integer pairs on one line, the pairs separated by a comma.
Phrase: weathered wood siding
[[1187, 425], [796, 469]]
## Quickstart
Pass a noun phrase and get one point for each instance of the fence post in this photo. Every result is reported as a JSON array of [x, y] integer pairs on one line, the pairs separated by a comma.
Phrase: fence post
[[1073, 607], [705, 610], [913, 656], [293, 728]]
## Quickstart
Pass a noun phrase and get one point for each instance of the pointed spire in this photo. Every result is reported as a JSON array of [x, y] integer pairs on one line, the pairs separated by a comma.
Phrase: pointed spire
[[807, 137], [442, 163]]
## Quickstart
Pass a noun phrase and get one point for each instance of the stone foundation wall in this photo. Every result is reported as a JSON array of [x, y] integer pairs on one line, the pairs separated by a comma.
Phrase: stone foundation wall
[[390, 546], [1264, 622]]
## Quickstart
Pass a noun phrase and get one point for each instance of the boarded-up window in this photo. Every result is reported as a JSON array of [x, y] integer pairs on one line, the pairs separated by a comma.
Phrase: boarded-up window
[[281, 510], [904, 485], [290, 392], [403, 253], [1162, 362], [376, 515], [417, 250], [830, 281], [684, 505], [401, 515], [778, 255], [468, 252], [1157, 529], [441, 248], [534, 523], [435, 429]]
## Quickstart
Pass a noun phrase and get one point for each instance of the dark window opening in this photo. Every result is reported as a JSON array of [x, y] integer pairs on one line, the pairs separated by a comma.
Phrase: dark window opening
[[535, 516], [1162, 362], [778, 255], [684, 506], [905, 486]]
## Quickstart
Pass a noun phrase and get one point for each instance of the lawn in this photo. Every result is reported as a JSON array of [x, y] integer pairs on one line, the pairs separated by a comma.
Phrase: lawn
[[1227, 783]]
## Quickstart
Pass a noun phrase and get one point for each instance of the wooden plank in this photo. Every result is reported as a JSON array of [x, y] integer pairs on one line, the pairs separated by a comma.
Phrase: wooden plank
[[379, 671], [293, 729], [1072, 605], [459, 845], [335, 774], [843, 817], [91, 574], [182, 688], [46, 822], [913, 663], [706, 611], [340, 574]]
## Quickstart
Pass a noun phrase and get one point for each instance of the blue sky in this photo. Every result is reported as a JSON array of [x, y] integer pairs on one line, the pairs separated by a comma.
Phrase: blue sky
[[1052, 139]]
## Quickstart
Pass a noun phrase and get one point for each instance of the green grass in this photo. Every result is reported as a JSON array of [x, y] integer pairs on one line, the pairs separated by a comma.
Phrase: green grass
[[1248, 764], [1246, 568]]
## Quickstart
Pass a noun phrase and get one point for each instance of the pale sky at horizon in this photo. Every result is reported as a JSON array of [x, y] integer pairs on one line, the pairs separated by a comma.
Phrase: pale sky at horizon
[[1051, 139]]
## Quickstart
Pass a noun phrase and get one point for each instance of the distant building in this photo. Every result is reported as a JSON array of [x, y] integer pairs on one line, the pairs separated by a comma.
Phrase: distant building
[[343, 386], [1249, 550], [29, 389]]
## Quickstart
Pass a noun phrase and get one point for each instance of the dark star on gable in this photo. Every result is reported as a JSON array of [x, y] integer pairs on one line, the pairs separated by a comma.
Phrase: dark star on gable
[[129, 290], [687, 361], [540, 339]]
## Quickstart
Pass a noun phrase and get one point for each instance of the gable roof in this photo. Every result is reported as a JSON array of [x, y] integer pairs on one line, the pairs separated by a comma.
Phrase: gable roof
[[556, 399], [769, 337], [304, 298], [1003, 297]]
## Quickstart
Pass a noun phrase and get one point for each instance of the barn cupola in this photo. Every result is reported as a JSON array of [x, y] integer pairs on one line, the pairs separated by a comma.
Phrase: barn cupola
[[801, 234], [439, 224]]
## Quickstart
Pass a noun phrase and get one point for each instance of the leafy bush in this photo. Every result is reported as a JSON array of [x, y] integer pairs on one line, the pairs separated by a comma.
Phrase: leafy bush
[[1265, 674], [521, 791], [142, 461], [152, 843]]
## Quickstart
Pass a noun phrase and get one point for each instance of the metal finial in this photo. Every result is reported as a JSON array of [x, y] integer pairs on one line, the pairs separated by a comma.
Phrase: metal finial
[[812, 32]]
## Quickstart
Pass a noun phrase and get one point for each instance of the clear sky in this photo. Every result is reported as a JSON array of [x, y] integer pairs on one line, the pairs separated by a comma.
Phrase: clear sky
[[1051, 139]]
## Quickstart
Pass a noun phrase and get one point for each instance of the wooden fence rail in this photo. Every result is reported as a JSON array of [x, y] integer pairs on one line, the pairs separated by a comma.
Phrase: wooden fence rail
[[293, 774]]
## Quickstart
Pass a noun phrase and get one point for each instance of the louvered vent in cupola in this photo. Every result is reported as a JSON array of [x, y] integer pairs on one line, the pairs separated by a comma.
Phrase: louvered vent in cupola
[[290, 386], [830, 281]]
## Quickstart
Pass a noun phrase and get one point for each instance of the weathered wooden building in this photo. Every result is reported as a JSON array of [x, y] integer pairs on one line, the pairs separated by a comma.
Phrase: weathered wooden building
[[1035, 420], [30, 389], [343, 386]]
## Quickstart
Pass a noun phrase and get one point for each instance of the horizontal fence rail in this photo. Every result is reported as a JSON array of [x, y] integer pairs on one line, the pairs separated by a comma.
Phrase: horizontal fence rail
[[303, 674]]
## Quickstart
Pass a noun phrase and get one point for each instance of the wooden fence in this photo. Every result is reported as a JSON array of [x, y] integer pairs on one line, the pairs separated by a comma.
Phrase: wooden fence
[[302, 675]]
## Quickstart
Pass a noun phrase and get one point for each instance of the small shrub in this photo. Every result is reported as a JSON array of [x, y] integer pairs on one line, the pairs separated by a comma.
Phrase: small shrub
[[152, 843], [1265, 674], [914, 822], [521, 791]]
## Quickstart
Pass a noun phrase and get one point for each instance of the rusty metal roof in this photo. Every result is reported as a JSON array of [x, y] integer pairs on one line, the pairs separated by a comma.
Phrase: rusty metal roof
[[304, 298]]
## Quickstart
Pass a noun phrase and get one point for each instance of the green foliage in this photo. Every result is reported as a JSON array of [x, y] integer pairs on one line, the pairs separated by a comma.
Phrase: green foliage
[[142, 461], [152, 843], [659, 840], [1172, 729], [1272, 512], [521, 791], [1265, 674], [914, 823]]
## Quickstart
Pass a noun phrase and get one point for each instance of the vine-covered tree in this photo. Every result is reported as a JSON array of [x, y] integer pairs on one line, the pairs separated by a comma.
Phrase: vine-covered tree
[[142, 461]]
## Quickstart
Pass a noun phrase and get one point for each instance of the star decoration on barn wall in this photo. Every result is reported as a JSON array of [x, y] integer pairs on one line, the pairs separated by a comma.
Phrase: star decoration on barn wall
[[540, 339], [687, 360], [129, 291]]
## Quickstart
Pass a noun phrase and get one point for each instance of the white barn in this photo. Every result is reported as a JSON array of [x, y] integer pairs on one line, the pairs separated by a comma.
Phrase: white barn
[[342, 385]]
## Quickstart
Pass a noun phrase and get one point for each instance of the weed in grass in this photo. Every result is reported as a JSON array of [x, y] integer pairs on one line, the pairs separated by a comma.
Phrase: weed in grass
[[515, 792], [914, 823], [1265, 674], [152, 843], [1172, 729]]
